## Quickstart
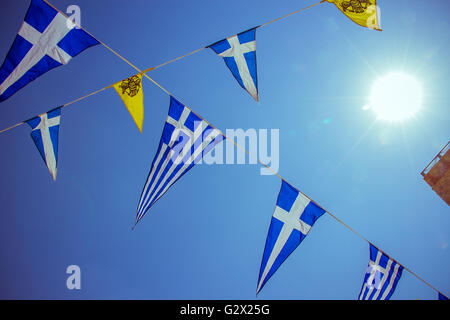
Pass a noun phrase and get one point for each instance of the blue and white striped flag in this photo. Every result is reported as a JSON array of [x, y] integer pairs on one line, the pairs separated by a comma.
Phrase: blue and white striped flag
[[186, 138], [292, 219], [45, 136], [239, 53], [381, 277], [46, 39]]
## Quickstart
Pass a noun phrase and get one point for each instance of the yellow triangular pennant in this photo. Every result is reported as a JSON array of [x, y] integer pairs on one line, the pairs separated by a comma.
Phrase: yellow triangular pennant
[[132, 95], [362, 12]]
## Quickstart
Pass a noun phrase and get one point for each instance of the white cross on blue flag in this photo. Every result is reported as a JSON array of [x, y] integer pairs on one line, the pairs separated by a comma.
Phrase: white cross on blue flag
[[381, 277], [46, 39], [239, 53], [292, 219], [186, 138], [45, 136]]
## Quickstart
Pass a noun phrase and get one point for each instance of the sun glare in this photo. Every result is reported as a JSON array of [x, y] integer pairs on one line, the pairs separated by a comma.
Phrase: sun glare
[[396, 96]]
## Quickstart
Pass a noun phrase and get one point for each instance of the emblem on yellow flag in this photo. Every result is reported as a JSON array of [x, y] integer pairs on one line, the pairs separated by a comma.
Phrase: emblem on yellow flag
[[362, 12], [130, 91]]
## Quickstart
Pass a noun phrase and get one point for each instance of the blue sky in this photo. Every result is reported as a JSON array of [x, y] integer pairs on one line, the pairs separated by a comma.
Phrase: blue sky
[[204, 239]]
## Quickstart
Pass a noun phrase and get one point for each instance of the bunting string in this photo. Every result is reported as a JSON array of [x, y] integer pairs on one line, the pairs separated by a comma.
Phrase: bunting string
[[143, 72], [261, 25], [283, 179]]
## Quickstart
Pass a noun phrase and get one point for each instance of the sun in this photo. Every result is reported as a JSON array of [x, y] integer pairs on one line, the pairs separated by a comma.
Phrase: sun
[[396, 96]]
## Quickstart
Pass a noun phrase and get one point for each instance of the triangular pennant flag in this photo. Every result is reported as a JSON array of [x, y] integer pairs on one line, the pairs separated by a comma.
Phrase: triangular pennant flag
[[239, 53], [362, 12], [292, 219], [442, 296], [186, 138], [381, 278], [132, 95], [45, 136], [47, 39]]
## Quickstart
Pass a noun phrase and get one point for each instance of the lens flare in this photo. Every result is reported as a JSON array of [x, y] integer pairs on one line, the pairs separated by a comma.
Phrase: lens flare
[[396, 96]]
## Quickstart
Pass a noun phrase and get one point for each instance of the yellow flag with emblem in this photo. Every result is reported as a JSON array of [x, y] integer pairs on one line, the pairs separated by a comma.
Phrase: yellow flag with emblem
[[362, 12], [130, 91]]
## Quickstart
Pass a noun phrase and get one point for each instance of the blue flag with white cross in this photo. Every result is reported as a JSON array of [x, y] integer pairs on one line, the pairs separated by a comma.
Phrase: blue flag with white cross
[[186, 138], [239, 53], [381, 278], [292, 220], [45, 135], [47, 39]]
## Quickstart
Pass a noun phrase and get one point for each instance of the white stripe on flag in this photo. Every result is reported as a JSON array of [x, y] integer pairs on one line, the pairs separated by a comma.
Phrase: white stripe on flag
[[158, 159], [364, 294], [383, 280], [391, 283], [187, 147], [212, 135]]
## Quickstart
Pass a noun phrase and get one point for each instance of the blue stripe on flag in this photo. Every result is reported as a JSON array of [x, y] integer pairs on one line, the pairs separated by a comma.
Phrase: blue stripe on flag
[[247, 36], [381, 278], [20, 47], [76, 41], [40, 15]]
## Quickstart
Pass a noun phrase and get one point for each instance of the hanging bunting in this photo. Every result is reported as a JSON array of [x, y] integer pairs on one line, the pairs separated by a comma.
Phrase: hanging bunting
[[362, 12], [292, 219], [184, 141], [381, 278], [46, 40], [132, 95], [239, 54], [45, 136]]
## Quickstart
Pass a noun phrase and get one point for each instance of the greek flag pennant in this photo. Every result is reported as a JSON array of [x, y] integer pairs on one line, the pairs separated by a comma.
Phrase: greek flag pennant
[[442, 296], [381, 277], [292, 219], [186, 138], [45, 136], [46, 39], [239, 53]]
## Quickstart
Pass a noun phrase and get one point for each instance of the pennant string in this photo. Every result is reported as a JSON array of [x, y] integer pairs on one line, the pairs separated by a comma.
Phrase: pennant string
[[85, 96], [63, 106], [104, 44], [143, 72], [101, 42], [290, 14], [261, 25], [279, 176], [11, 127], [173, 60]]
